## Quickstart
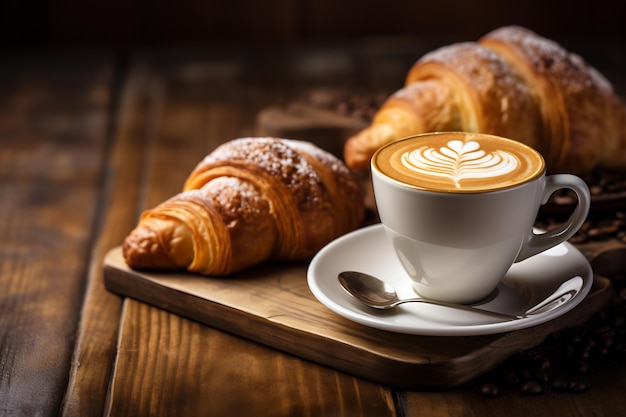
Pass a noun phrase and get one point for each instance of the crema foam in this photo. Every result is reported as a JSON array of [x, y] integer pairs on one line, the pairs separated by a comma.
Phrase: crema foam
[[459, 162]]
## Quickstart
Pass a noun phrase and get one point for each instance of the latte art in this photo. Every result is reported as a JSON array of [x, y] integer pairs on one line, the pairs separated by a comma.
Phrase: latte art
[[458, 161]]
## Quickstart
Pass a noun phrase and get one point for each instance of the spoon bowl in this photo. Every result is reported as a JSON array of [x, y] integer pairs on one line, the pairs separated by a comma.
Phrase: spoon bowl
[[378, 294]]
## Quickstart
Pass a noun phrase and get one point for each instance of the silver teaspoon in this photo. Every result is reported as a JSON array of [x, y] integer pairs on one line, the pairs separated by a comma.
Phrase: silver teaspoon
[[378, 294]]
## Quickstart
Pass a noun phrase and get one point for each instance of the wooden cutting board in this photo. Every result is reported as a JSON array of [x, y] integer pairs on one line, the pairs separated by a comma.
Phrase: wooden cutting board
[[272, 305]]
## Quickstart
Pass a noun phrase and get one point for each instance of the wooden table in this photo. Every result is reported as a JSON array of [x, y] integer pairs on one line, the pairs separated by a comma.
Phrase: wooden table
[[87, 141]]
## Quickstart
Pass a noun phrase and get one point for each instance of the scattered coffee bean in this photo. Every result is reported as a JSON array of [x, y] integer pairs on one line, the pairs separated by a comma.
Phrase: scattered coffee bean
[[559, 384], [489, 390], [582, 367], [358, 106], [578, 386], [510, 378], [595, 189], [531, 387]]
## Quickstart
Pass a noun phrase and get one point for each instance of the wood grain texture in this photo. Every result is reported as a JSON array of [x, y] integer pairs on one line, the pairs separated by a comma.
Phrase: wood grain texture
[[52, 135], [168, 365], [97, 334]]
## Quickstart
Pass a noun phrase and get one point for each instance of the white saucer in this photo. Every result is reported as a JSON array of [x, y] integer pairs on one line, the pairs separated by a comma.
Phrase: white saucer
[[525, 285]]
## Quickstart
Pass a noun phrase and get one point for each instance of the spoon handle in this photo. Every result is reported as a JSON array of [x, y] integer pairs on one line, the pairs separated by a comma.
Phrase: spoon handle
[[461, 307], [548, 304]]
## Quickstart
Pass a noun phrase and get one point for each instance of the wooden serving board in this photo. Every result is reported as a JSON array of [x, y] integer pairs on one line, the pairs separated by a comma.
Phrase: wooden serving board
[[272, 305]]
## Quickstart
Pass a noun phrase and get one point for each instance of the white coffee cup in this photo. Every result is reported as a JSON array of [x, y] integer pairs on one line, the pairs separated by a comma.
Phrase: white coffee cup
[[459, 209]]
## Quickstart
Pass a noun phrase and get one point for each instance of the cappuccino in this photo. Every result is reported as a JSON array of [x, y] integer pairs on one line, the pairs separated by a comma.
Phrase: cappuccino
[[459, 209], [459, 162]]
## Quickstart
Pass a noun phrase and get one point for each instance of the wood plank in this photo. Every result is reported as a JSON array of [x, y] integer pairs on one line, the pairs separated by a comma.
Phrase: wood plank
[[168, 365], [97, 335], [53, 119]]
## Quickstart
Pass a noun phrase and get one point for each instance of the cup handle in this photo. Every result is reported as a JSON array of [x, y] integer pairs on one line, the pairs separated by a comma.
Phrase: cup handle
[[537, 243]]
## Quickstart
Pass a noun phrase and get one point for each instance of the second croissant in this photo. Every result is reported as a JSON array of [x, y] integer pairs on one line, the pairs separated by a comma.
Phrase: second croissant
[[511, 83]]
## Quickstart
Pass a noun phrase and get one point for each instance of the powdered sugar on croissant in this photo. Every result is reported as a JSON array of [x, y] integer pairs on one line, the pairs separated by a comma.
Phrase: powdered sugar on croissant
[[250, 200]]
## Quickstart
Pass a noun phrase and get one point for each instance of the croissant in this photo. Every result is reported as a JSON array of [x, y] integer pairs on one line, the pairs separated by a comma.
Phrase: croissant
[[512, 83], [250, 200]]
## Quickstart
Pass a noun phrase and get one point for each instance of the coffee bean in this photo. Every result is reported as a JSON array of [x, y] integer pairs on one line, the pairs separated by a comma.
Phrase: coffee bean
[[534, 355], [603, 232], [510, 377], [578, 386], [582, 367], [605, 331], [596, 190], [489, 390], [531, 387], [563, 200]]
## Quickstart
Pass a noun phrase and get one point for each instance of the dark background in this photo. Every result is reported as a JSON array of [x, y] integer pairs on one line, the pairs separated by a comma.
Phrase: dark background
[[144, 23]]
